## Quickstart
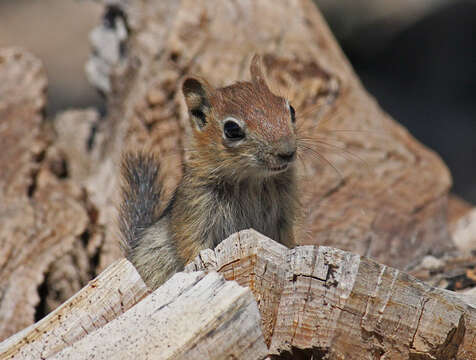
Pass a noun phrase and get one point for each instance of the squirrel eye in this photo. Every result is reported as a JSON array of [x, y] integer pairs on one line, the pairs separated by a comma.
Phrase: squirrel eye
[[233, 131], [293, 114]]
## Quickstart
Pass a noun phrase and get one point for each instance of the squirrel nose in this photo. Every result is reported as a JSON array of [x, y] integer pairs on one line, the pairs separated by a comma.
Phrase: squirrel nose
[[287, 156], [286, 150]]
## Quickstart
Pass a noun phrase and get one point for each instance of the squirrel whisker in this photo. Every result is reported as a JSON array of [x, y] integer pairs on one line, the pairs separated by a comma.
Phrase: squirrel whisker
[[321, 157], [338, 150]]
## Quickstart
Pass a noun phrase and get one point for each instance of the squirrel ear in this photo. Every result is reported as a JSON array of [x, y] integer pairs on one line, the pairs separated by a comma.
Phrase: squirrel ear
[[197, 94], [256, 70]]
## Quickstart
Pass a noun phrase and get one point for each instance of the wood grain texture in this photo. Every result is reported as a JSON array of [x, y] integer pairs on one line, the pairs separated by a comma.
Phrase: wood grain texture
[[41, 214], [191, 316], [112, 293], [322, 301]]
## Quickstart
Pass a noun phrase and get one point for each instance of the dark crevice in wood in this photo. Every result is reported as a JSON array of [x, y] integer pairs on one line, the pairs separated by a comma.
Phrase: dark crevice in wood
[[41, 310], [302, 354]]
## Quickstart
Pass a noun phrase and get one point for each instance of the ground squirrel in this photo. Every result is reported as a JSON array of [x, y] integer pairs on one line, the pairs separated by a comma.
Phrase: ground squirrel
[[239, 174]]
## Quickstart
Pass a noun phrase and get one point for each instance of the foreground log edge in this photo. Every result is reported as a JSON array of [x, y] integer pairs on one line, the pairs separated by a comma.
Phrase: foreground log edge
[[192, 316], [113, 292], [331, 302], [313, 301]]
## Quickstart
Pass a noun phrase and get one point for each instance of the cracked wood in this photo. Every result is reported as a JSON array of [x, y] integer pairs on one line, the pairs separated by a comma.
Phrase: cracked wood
[[328, 301]]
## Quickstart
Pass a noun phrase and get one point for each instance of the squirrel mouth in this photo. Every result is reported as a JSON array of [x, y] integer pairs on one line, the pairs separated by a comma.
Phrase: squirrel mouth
[[276, 169]]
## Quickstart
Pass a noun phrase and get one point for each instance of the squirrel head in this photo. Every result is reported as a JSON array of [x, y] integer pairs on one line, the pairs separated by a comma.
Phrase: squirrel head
[[242, 130]]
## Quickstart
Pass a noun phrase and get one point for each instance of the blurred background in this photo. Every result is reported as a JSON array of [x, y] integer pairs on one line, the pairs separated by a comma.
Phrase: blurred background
[[417, 57]]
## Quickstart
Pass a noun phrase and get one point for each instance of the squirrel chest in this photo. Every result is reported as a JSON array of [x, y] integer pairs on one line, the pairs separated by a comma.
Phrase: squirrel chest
[[216, 211]]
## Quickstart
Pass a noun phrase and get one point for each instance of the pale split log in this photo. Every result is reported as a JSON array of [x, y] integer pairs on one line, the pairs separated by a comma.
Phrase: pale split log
[[113, 292], [325, 301], [192, 316], [457, 208], [464, 232]]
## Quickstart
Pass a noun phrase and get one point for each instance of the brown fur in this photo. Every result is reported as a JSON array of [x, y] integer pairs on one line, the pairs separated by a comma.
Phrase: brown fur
[[228, 185]]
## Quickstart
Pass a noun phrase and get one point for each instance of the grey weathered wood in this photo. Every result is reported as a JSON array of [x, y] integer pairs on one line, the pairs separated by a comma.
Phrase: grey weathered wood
[[113, 292], [191, 316]]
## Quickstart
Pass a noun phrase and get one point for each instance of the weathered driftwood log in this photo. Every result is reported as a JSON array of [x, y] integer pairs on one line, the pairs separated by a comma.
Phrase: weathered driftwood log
[[113, 292], [326, 302], [43, 215], [314, 301], [191, 317]]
